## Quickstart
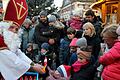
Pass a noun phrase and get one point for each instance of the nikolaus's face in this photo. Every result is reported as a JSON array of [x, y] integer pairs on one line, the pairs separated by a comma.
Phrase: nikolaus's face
[[14, 28]]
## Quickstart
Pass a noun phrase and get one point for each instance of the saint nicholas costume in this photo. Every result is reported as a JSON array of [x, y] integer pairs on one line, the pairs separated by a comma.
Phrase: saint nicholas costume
[[13, 62]]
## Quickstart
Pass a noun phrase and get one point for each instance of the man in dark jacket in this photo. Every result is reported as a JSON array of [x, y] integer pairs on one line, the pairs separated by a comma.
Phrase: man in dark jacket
[[39, 36], [91, 17]]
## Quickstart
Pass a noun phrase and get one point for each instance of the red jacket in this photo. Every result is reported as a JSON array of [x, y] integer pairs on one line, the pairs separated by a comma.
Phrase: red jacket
[[76, 24], [111, 62]]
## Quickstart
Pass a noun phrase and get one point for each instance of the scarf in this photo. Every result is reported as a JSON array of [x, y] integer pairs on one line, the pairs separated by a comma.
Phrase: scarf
[[77, 65]]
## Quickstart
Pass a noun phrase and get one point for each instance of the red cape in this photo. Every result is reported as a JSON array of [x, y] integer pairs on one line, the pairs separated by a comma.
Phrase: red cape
[[2, 43]]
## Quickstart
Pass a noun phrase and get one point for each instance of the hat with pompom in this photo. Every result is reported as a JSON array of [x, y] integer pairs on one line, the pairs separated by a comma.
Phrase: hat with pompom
[[52, 18], [81, 42], [64, 70], [73, 42]]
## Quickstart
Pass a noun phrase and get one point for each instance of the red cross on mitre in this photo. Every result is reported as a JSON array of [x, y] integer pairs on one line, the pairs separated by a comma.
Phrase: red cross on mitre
[[16, 11]]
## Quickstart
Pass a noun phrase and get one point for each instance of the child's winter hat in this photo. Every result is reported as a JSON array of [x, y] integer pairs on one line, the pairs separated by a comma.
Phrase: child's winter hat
[[45, 46], [73, 42], [52, 18], [77, 13], [64, 70], [29, 44], [81, 42]]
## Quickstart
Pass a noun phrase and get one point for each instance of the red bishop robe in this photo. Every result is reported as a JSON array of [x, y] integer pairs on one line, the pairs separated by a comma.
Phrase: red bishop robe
[[2, 43]]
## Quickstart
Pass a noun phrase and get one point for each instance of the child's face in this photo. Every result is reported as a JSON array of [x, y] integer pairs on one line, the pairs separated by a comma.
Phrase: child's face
[[43, 51], [73, 49], [81, 58], [51, 23], [71, 36], [83, 55], [76, 17], [29, 48]]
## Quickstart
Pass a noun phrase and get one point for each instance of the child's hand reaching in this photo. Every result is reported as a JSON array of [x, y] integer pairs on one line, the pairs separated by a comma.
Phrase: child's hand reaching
[[51, 72], [54, 73]]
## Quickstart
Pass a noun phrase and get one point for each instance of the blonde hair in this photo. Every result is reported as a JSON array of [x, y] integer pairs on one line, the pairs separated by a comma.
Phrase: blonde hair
[[91, 27]]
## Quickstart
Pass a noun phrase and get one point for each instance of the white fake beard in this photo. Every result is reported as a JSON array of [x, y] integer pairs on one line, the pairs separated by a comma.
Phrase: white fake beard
[[12, 40]]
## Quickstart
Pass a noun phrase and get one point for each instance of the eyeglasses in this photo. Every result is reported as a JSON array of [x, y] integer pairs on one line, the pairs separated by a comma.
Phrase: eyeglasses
[[87, 49]]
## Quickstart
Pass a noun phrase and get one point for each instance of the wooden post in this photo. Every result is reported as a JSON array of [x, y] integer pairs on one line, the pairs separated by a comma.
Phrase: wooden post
[[118, 12], [104, 10]]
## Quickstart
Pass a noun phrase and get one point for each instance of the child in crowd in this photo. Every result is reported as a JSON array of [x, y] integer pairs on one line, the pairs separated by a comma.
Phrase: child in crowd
[[63, 72], [45, 58], [75, 22], [30, 52], [72, 56], [83, 68], [64, 45]]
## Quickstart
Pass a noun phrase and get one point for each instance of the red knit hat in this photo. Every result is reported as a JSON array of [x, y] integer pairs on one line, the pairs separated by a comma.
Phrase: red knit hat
[[64, 70], [16, 11], [73, 42]]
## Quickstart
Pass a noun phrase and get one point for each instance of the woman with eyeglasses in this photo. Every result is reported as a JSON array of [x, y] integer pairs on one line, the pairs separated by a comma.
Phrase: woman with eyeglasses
[[111, 59]]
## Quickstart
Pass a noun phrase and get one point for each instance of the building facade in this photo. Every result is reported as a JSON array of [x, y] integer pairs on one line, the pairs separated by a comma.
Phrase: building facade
[[109, 10], [69, 7]]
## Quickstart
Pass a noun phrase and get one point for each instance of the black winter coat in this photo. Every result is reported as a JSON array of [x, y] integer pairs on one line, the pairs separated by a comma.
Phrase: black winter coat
[[44, 32]]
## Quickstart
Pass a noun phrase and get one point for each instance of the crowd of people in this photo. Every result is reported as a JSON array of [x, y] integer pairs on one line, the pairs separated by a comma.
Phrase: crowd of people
[[59, 49], [53, 39]]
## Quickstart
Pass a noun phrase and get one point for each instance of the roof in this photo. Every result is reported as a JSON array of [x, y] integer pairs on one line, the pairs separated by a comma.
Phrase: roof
[[96, 4]]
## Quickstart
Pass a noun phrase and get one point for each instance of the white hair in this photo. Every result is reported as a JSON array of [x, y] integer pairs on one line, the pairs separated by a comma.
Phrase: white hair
[[4, 25]]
